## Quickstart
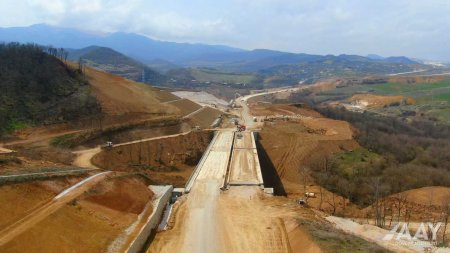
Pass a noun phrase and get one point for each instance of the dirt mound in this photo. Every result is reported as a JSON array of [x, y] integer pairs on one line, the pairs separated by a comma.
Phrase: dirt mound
[[185, 106], [164, 161], [120, 194], [371, 100]]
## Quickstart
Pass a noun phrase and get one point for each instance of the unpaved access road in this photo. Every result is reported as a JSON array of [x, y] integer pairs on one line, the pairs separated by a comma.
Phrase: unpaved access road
[[84, 157], [50, 207], [208, 220]]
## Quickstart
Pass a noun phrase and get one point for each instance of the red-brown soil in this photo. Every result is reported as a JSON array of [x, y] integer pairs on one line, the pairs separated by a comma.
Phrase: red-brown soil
[[205, 117], [16, 200], [87, 224], [185, 106], [120, 194], [265, 109], [164, 161], [294, 145]]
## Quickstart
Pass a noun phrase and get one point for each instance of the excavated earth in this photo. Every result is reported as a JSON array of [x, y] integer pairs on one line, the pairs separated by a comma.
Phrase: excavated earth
[[91, 222], [164, 161]]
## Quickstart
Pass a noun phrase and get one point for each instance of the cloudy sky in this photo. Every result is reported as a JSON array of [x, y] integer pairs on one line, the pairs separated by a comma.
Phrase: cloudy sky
[[415, 28]]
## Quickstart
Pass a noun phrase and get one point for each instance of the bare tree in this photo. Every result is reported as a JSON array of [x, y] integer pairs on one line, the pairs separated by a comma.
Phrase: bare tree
[[400, 200], [445, 217], [378, 192], [304, 173]]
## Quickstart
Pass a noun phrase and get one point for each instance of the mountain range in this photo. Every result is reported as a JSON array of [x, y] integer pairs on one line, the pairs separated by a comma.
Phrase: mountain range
[[132, 55], [149, 51]]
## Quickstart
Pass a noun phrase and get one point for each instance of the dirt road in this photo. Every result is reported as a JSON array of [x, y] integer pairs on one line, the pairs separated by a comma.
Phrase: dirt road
[[84, 157], [5, 150], [45, 210]]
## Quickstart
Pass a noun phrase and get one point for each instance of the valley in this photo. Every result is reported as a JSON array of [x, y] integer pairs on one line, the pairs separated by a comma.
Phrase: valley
[[117, 142]]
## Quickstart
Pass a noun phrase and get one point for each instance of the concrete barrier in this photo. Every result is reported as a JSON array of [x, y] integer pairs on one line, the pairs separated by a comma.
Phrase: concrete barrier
[[197, 169], [163, 195], [226, 178]]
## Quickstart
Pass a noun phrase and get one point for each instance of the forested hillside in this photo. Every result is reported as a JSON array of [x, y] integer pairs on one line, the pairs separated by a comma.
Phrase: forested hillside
[[39, 88]]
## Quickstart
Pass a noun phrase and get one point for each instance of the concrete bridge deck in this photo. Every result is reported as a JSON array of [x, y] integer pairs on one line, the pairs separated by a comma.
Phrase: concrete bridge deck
[[244, 165]]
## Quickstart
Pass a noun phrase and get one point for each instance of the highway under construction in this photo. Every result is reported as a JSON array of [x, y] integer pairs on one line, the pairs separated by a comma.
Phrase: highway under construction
[[223, 210]]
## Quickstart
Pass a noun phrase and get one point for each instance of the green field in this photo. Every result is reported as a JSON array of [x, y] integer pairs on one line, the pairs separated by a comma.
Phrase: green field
[[206, 75], [350, 162], [409, 88]]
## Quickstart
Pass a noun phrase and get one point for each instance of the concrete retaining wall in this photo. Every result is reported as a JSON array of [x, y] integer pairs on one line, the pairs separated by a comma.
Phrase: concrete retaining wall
[[197, 169], [216, 122], [257, 165], [163, 195], [226, 178]]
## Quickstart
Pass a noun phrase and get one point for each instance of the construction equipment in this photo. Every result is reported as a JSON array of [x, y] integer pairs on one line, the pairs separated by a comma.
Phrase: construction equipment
[[108, 145], [240, 127]]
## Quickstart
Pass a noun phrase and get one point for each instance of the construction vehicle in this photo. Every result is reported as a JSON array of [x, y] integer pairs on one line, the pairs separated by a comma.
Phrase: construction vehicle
[[108, 145], [240, 127]]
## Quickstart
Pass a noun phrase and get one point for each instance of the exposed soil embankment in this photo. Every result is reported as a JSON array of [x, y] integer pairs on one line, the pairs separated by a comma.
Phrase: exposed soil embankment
[[123, 133], [120, 194], [90, 222], [292, 147], [164, 161], [205, 117], [16, 200]]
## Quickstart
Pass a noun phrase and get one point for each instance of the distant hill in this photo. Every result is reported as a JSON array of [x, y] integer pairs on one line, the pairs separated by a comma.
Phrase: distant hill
[[136, 46], [148, 50], [162, 66], [332, 66], [116, 63], [37, 88], [400, 59]]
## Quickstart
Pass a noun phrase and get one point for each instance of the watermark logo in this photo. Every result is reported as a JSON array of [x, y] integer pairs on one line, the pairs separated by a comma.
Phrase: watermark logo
[[426, 234]]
